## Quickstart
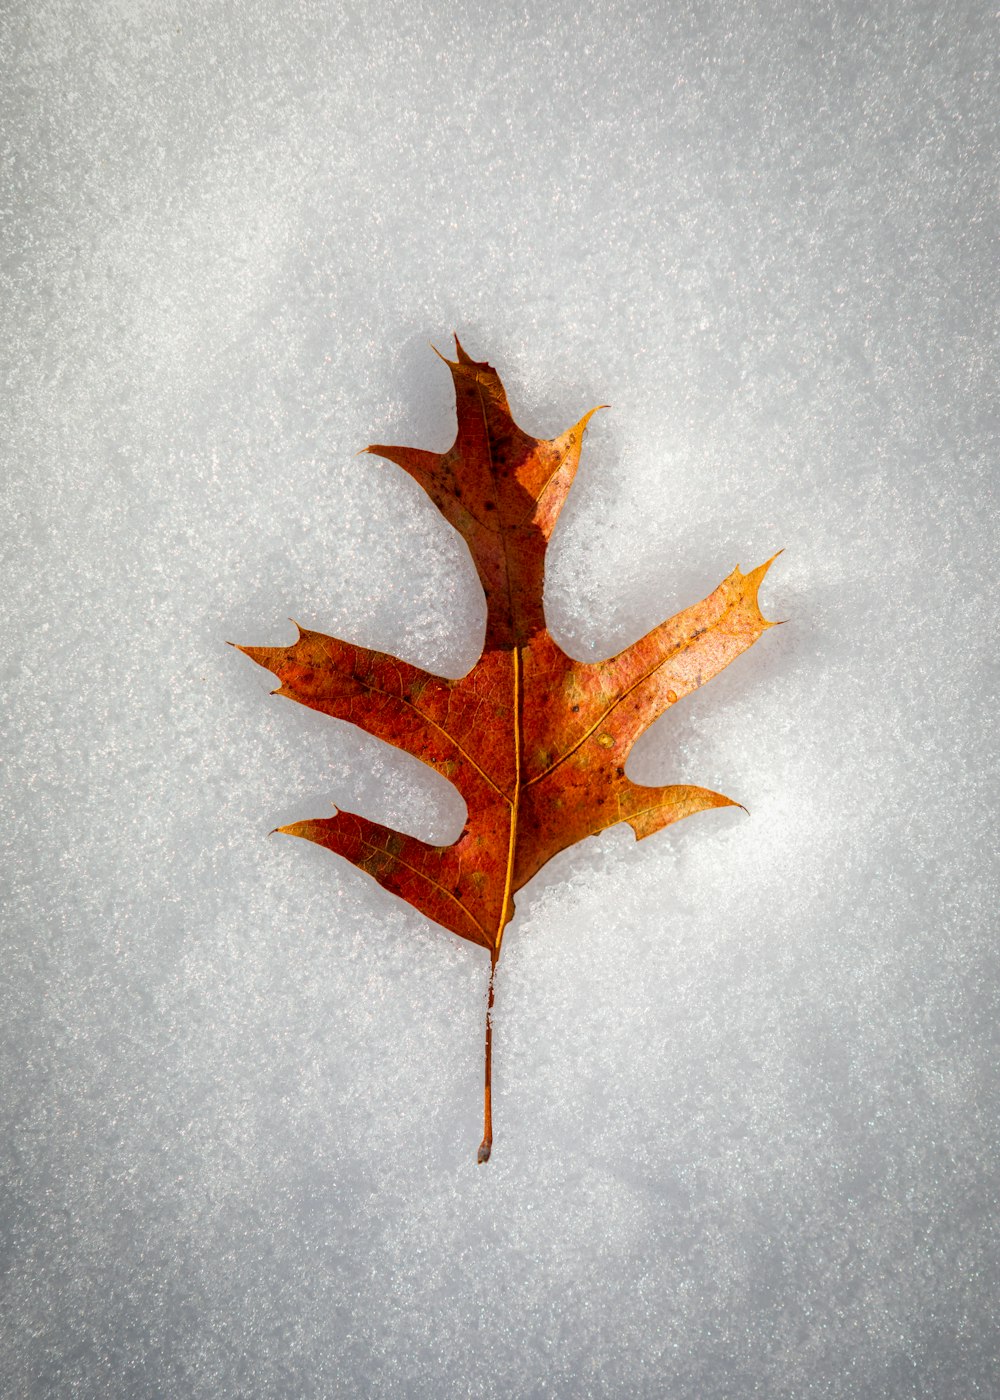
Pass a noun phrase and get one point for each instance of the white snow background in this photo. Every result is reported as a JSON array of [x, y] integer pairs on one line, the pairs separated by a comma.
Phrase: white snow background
[[746, 1098]]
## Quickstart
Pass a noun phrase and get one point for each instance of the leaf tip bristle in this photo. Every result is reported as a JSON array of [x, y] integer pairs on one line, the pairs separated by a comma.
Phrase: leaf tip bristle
[[585, 420], [289, 830], [754, 579], [452, 364], [464, 358]]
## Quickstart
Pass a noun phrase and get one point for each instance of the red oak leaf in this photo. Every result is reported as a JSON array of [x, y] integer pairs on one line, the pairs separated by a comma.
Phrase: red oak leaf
[[534, 741]]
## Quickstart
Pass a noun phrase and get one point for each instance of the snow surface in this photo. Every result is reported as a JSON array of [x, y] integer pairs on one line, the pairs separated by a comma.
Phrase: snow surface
[[746, 1093]]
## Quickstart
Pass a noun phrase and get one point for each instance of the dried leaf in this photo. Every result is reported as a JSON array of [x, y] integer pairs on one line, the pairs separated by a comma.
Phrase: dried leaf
[[534, 741]]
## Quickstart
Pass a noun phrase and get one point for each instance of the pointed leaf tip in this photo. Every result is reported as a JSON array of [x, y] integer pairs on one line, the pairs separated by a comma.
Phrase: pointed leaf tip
[[755, 578], [452, 364], [585, 420], [463, 357]]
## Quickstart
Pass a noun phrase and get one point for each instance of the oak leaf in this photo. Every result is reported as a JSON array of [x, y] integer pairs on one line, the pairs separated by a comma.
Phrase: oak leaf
[[535, 742]]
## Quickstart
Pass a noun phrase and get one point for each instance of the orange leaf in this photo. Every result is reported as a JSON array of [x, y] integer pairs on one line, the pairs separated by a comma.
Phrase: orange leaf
[[535, 742]]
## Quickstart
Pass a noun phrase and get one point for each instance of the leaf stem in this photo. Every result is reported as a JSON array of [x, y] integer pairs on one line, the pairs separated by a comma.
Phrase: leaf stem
[[487, 1143]]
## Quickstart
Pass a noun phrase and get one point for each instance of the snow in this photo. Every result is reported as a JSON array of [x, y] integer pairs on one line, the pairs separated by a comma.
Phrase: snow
[[744, 1072]]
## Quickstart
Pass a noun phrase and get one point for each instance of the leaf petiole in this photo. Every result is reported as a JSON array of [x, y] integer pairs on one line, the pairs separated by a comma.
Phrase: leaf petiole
[[486, 1145]]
